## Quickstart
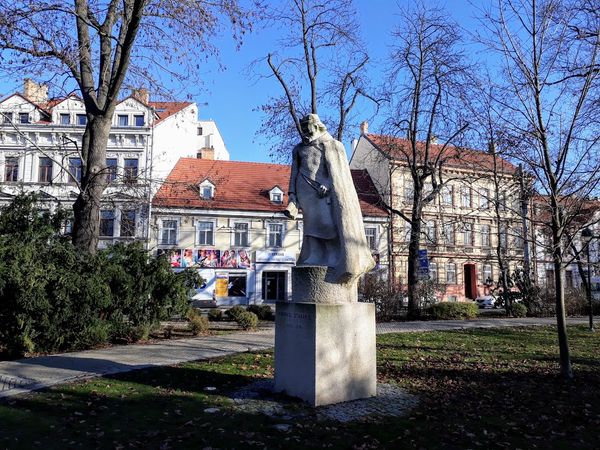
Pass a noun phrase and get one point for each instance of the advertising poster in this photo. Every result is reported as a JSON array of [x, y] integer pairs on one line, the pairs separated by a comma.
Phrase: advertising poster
[[187, 260], [229, 258], [175, 258], [208, 258], [221, 286], [244, 261]]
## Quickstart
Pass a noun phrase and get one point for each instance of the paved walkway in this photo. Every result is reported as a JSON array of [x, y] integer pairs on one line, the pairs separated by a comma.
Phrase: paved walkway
[[30, 374]]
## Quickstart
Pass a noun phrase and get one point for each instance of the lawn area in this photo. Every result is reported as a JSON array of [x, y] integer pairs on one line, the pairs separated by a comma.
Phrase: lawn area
[[480, 388]]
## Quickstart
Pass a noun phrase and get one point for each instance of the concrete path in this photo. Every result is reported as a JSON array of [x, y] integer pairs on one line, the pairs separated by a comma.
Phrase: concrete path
[[30, 374]]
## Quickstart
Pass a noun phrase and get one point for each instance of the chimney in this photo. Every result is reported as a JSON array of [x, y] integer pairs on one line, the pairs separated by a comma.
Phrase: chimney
[[36, 92], [141, 94], [364, 127], [206, 153]]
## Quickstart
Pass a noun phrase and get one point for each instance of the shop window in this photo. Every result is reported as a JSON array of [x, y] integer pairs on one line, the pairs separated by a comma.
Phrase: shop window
[[107, 223], [168, 232], [206, 235], [237, 285], [11, 169], [274, 286], [45, 170], [128, 223], [75, 170], [240, 237]]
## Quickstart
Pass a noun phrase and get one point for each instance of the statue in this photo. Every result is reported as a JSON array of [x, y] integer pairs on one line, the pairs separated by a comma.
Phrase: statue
[[321, 186]]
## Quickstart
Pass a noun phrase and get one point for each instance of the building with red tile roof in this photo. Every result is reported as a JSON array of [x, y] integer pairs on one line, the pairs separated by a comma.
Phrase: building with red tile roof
[[461, 229], [207, 209]]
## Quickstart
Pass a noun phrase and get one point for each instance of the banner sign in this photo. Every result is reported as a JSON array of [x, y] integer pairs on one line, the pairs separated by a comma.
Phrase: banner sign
[[276, 256], [210, 259]]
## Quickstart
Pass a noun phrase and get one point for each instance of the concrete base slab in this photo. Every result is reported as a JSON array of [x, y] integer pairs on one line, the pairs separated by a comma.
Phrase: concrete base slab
[[325, 353]]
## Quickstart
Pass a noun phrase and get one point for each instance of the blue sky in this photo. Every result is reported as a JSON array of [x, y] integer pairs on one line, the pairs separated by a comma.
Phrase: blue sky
[[231, 96]]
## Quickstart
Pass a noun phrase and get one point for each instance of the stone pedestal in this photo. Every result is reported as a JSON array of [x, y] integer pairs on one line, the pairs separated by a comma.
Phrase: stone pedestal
[[324, 351]]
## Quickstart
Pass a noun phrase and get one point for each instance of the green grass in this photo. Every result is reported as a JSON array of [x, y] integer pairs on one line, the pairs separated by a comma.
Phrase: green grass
[[478, 388]]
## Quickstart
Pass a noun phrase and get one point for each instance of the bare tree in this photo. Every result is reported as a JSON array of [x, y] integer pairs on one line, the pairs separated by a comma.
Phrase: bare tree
[[426, 93], [100, 44], [320, 66], [546, 95]]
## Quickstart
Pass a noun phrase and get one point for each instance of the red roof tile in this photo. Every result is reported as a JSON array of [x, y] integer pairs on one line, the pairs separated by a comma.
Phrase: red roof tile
[[167, 109], [243, 186], [458, 157]]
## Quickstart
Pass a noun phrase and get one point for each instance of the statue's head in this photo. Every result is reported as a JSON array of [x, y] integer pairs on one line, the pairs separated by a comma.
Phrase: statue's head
[[311, 127]]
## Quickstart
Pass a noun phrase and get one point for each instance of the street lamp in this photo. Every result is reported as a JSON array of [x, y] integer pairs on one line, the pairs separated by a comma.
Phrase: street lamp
[[587, 237]]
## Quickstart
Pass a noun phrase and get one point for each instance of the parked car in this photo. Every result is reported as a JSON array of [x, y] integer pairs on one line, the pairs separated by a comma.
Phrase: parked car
[[486, 302]]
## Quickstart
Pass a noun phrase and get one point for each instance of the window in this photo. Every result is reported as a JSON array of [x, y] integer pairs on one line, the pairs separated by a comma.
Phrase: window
[[237, 285], [275, 235], [23, 117], [485, 236], [502, 201], [569, 279], [207, 190], [503, 236], [430, 232], [122, 120], [409, 192], [487, 274], [45, 170], [206, 233], [276, 197], [107, 223], [433, 272], [451, 273], [550, 278], [139, 120], [75, 170], [468, 234], [371, 235], [447, 196], [11, 169], [199, 131], [81, 120], [484, 199], [128, 223], [465, 197], [130, 171], [111, 169], [452, 298], [519, 241], [7, 117], [240, 236], [65, 119], [449, 234], [168, 232]]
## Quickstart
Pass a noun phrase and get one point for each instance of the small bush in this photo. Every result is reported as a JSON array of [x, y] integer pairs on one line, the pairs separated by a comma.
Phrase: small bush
[[263, 312], [234, 312], [519, 310], [451, 310], [198, 325], [215, 315], [247, 320]]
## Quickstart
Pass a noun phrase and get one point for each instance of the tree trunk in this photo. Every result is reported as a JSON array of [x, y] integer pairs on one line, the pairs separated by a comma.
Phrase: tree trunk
[[561, 322], [86, 210], [413, 258]]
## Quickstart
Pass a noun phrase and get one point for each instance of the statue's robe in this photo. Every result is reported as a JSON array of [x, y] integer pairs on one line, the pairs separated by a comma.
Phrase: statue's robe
[[337, 216]]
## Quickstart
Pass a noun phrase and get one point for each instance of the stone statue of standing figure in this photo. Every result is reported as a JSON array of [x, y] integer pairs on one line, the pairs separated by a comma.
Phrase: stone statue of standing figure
[[321, 186]]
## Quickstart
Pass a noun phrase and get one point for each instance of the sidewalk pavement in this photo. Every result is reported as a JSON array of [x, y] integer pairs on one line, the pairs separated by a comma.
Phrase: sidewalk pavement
[[25, 375]]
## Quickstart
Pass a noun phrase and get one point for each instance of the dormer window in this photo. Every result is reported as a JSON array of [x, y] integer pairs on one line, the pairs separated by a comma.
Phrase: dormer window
[[276, 195], [65, 119], [7, 117], [23, 117], [207, 190]]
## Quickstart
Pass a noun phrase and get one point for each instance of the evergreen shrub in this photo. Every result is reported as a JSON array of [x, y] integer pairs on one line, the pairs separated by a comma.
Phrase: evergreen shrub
[[454, 310], [263, 312], [247, 320]]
